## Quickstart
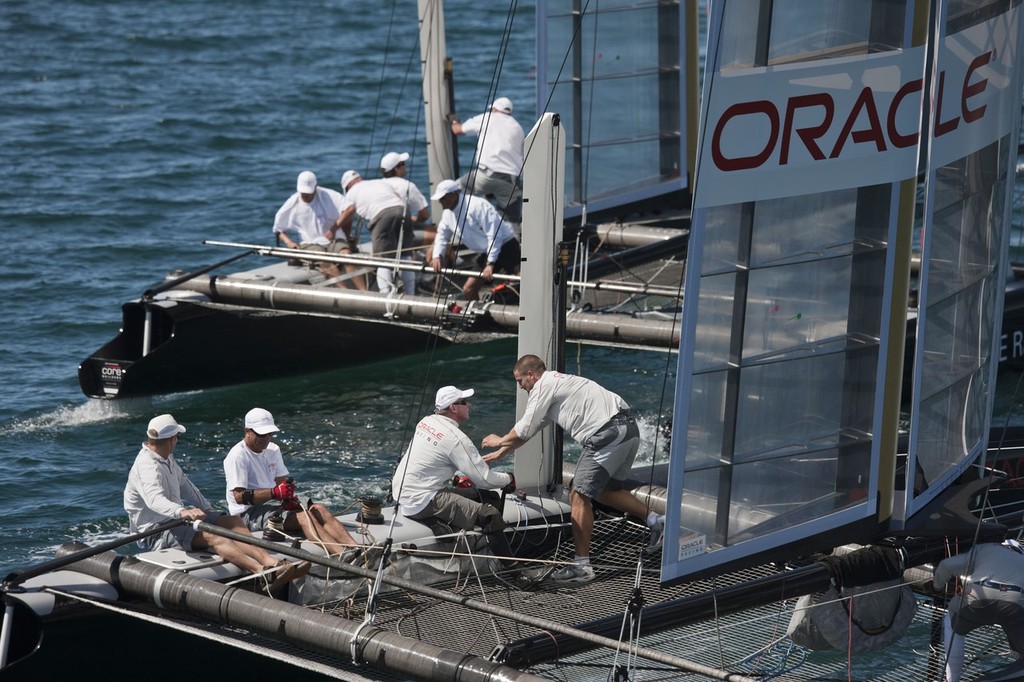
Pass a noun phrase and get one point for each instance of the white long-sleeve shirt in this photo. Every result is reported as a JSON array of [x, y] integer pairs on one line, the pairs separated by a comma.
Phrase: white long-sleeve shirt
[[476, 225], [578, 405], [439, 450], [991, 562], [157, 489]]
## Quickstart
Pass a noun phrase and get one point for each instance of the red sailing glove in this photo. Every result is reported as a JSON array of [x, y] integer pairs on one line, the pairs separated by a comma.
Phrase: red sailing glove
[[283, 491], [462, 482], [510, 487]]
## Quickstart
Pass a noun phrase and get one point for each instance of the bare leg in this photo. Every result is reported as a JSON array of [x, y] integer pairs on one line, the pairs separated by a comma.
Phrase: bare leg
[[228, 550], [235, 524], [470, 288], [624, 501], [332, 527], [358, 280], [582, 522], [319, 525]]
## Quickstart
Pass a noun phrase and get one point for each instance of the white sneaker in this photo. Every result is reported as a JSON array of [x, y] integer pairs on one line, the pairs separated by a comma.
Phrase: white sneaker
[[657, 535], [573, 573]]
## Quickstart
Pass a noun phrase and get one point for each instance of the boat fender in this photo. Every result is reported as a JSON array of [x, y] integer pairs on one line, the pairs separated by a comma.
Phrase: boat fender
[[881, 614]]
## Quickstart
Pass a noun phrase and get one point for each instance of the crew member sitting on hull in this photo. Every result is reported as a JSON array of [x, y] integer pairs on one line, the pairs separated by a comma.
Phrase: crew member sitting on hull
[[438, 452], [993, 580], [260, 491]]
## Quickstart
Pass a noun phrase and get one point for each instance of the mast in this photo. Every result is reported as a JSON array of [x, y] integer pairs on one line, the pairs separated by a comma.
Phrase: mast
[[543, 188], [437, 95]]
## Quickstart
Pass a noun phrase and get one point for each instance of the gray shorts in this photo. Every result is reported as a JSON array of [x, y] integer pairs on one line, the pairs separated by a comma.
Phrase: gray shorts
[[256, 516], [179, 536], [391, 231], [607, 457], [984, 606]]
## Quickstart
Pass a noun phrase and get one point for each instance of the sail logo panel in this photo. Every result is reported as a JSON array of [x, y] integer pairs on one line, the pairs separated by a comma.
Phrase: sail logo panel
[[809, 131]]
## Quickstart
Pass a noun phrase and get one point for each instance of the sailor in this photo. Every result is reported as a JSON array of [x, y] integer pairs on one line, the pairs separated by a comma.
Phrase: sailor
[[439, 451], [313, 214], [993, 578], [158, 490], [499, 158], [377, 202], [600, 421], [257, 480], [478, 226], [394, 168]]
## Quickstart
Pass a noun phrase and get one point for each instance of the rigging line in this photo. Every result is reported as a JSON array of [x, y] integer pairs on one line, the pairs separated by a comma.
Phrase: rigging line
[[380, 89], [407, 77]]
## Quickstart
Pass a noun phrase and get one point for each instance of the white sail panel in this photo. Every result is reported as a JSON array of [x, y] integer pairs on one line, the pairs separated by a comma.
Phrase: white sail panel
[[807, 131], [964, 245], [615, 72]]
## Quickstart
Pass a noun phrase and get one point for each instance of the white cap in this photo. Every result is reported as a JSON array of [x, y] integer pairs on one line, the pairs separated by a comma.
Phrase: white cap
[[503, 104], [347, 179], [163, 426], [389, 161], [446, 395], [260, 421], [306, 184], [445, 187]]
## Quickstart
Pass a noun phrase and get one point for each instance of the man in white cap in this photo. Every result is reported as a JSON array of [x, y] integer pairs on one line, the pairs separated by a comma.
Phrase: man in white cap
[[259, 487], [394, 169], [439, 450], [993, 594], [474, 223], [499, 158], [313, 213], [377, 202], [158, 491], [600, 421]]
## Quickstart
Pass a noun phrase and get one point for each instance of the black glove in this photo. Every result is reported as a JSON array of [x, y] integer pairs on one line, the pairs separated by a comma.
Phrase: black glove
[[511, 486]]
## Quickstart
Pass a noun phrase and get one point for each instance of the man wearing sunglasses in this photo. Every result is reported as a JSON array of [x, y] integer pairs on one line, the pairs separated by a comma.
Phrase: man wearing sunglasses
[[439, 450]]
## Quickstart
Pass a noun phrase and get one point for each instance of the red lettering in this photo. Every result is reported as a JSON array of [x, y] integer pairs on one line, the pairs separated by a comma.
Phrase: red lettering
[[810, 133], [971, 115], [745, 162], [864, 112], [866, 102], [897, 139], [943, 127]]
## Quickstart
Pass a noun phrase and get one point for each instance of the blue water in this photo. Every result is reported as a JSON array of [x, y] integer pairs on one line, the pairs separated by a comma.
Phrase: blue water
[[133, 130]]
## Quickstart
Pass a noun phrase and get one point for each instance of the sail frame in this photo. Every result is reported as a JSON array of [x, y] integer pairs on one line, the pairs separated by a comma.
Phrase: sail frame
[[975, 94], [640, 55], [827, 476]]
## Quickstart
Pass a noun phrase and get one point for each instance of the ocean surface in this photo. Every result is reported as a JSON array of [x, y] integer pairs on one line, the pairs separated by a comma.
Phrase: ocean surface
[[133, 130]]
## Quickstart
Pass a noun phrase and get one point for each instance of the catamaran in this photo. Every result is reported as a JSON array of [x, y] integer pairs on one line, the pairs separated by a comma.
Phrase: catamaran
[[798, 467]]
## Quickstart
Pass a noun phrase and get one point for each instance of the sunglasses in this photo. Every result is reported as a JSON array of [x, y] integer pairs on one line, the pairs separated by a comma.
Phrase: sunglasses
[[461, 402]]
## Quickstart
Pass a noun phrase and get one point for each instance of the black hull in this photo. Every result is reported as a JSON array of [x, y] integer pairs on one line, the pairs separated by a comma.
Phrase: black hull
[[197, 346]]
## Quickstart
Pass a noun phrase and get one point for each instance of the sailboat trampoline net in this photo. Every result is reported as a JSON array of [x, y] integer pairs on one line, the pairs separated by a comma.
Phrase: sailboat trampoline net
[[752, 643]]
